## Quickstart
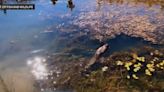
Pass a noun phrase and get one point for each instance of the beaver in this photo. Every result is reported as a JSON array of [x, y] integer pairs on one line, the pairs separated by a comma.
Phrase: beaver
[[97, 54]]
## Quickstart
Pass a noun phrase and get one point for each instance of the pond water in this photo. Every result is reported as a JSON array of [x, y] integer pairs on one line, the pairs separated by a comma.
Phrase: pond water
[[77, 27]]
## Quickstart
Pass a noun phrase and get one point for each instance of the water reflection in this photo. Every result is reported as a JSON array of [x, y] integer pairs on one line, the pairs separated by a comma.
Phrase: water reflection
[[38, 67], [70, 4], [54, 1], [148, 3], [45, 76]]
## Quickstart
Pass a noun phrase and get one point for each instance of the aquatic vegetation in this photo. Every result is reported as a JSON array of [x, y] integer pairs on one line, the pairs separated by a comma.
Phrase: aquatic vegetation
[[147, 72], [160, 65], [119, 63], [122, 71], [128, 77], [138, 64], [137, 67], [134, 76], [141, 59], [104, 68], [127, 65]]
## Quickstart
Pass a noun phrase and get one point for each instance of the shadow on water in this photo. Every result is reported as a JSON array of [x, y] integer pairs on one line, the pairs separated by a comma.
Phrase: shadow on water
[[54, 2], [84, 46], [123, 42]]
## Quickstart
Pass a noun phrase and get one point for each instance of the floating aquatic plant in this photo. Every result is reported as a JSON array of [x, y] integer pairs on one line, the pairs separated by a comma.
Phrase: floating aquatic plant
[[138, 64], [127, 65], [120, 63], [134, 76], [147, 72], [120, 72], [104, 68]]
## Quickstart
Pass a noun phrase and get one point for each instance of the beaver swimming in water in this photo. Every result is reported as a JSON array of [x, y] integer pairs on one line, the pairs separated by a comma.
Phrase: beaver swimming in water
[[96, 56]]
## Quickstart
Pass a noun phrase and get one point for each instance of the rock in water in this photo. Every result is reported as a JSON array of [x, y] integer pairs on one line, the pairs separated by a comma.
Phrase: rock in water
[[99, 51]]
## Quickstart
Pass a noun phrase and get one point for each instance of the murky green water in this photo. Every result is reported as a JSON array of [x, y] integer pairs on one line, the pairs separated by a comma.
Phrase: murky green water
[[74, 28]]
